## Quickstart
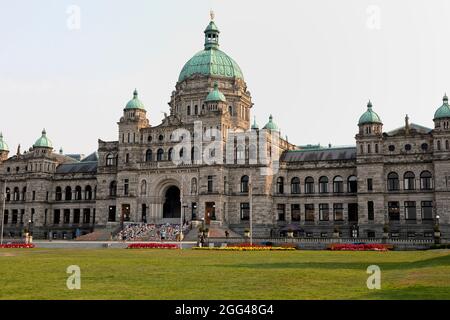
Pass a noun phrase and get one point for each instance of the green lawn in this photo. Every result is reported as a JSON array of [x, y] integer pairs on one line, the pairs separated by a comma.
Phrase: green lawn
[[188, 274]]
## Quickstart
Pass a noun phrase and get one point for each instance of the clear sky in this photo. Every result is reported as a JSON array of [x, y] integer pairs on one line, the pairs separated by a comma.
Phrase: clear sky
[[312, 64]]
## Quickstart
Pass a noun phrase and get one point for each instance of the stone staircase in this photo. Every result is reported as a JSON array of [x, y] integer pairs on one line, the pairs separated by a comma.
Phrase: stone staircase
[[215, 231], [100, 234]]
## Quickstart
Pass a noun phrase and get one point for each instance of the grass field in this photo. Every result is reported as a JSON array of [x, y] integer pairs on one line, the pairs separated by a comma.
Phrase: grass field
[[188, 274]]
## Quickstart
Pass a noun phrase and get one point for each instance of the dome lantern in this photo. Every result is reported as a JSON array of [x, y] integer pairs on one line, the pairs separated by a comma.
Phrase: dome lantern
[[211, 34]]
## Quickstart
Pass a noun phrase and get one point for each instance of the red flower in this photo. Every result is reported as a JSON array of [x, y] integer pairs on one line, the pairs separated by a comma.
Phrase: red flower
[[17, 246], [152, 246]]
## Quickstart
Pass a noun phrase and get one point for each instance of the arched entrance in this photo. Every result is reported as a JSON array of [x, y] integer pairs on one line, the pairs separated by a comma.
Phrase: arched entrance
[[172, 204]]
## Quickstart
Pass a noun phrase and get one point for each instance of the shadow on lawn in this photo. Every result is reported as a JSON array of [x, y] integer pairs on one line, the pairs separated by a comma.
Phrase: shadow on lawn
[[432, 262]]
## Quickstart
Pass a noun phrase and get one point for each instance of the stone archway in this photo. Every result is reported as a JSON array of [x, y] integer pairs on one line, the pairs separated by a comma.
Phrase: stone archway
[[172, 203]]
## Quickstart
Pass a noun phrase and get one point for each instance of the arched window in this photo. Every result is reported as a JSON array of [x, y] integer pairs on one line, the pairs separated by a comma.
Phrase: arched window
[[16, 194], [160, 155], [393, 183], [280, 185], [148, 155], [446, 145], [58, 194], [196, 110], [426, 182], [144, 187], [68, 193], [194, 186], [369, 148], [77, 193], [170, 154], [338, 184], [8, 194], [188, 110], [240, 153], [295, 185], [182, 153], [323, 185], [88, 193], [244, 184], [352, 184], [309, 185], [24, 193], [376, 147], [439, 144], [113, 189], [110, 160], [408, 180]]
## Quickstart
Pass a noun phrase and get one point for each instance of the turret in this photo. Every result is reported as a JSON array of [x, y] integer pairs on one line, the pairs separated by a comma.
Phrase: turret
[[4, 149], [134, 118], [441, 132], [43, 145], [370, 134], [215, 100]]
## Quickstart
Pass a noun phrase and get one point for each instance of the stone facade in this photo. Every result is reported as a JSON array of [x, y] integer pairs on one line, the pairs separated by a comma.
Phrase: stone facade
[[206, 162]]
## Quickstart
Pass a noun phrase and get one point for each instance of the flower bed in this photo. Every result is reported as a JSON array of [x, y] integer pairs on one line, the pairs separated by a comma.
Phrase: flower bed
[[244, 248], [17, 246], [152, 246], [359, 247]]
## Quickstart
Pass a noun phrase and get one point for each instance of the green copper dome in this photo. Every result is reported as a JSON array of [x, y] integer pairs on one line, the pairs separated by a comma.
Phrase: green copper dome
[[444, 110], [3, 145], [215, 95], [271, 125], [211, 61], [43, 141], [369, 116], [135, 103]]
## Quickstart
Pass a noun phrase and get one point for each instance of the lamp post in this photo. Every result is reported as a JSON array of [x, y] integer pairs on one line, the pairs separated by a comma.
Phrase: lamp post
[[250, 193], [3, 209]]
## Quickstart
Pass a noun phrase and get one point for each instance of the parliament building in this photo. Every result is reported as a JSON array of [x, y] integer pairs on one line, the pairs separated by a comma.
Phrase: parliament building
[[209, 162]]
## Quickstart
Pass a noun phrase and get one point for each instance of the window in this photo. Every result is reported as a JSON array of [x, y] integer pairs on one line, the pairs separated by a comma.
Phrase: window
[[295, 185], [143, 187], [338, 185], [427, 210], [280, 185], [408, 147], [86, 216], [324, 212], [295, 212], [369, 148], [376, 147], [16, 194], [338, 212], [309, 185], [126, 185], [370, 184], [391, 148], [88, 193], [426, 180], [113, 189], [58, 194], [245, 211], [370, 211], [439, 145], [188, 110], [408, 180], [170, 155], [161, 137], [323, 185], [112, 214], [244, 184], [68, 193], [127, 158], [160, 155], [56, 216], [148, 155], [66, 218], [393, 183], [309, 212], [15, 214], [410, 210], [281, 211], [110, 160], [77, 193], [149, 139], [394, 211], [210, 184], [424, 146], [196, 109], [352, 184]]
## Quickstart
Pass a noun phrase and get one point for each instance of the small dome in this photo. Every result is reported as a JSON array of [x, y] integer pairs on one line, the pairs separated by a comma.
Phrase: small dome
[[271, 125], [135, 103], [43, 141], [444, 110], [369, 116], [215, 95], [3, 145]]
